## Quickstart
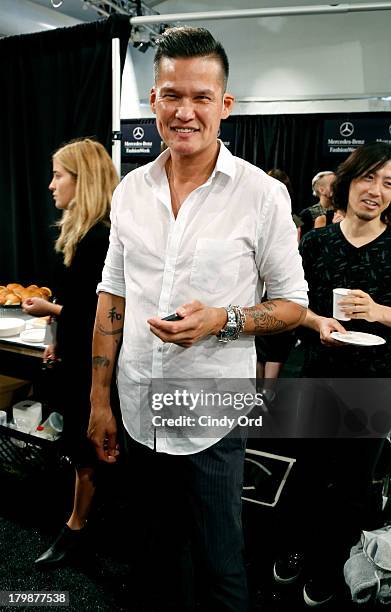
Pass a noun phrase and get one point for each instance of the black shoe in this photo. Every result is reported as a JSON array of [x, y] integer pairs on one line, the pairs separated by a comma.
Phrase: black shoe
[[65, 544], [288, 569], [317, 593]]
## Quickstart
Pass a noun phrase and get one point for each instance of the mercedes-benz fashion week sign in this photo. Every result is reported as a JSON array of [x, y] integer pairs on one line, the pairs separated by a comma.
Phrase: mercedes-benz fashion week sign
[[344, 136], [139, 140]]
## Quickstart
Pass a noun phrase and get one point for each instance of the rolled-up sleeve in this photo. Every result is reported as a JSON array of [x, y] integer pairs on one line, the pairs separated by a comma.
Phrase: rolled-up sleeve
[[278, 259], [113, 280]]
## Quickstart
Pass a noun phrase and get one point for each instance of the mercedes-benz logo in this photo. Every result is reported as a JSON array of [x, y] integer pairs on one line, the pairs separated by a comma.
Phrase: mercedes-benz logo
[[346, 129], [138, 133]]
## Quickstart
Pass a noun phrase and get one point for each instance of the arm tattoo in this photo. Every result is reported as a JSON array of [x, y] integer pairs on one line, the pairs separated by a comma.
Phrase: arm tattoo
[[100, 361], [108, 332], [264, 320], [114, 315]]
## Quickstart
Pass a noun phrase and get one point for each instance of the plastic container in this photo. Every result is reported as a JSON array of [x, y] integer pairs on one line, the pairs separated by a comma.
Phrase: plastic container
[[51, 428], [27, 415]]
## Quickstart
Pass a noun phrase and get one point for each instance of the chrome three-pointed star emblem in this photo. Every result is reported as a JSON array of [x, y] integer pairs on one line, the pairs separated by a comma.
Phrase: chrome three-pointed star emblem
[[138, 133], [346, 129]]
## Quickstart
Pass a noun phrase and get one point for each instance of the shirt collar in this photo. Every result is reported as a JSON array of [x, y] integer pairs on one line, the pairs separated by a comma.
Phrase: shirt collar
[[225, 164]]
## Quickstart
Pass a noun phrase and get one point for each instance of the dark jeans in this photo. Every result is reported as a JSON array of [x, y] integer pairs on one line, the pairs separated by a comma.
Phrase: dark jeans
[[189, 530]]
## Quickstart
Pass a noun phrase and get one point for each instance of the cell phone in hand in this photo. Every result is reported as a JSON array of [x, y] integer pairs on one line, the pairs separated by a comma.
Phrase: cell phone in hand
[[172, 317]]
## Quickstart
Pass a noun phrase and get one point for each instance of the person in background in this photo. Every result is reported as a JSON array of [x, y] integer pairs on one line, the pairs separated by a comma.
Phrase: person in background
[[336, 484], [206, 231], [273, 351], [353, 254], [282, 176], [338, 216], [319, 214], [83, 181]]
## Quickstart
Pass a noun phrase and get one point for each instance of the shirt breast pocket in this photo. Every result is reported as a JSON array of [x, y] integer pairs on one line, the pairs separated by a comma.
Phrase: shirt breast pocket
[[216, 264]]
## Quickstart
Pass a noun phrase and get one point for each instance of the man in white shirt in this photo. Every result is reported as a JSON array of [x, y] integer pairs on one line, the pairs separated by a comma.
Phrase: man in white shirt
[[192, 233]]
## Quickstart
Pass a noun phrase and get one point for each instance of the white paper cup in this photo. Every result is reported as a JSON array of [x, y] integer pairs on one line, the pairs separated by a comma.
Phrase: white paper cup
[[339, 294], [3, 417]]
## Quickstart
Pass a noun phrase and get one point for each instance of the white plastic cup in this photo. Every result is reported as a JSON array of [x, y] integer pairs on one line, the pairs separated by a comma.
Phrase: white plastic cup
[[51, 428], [339, 294], [3, 417], [55, 421]]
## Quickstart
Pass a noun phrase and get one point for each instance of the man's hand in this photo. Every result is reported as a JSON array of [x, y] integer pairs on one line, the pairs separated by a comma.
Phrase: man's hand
[[198, 322], [359, 305], [326, 327], [102, 432]]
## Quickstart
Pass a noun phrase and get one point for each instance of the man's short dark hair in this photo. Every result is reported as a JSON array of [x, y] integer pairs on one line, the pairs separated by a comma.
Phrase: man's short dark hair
[[186, 42], [364, 160]]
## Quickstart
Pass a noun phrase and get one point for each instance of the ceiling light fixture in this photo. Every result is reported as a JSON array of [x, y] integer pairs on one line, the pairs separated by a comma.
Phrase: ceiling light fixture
[[142, 37]]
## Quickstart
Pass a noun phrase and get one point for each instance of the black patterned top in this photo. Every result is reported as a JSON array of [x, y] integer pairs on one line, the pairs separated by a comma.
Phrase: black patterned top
[[331, 261]]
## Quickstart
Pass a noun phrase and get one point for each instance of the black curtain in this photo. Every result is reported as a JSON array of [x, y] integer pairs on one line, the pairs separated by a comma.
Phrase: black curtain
[[56, 85], [293, 143], [289, 142]]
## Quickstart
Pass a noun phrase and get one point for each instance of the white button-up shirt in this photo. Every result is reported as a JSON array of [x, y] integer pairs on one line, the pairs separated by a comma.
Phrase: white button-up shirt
[[231, 235]]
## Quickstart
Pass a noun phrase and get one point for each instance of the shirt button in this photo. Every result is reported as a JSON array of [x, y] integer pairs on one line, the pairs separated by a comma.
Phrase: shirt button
[[159, 349]]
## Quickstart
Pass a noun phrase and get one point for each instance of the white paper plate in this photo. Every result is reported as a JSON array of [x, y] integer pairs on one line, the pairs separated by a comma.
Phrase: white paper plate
[[11, 326], [33, 335], [36, 324], [358, 338]]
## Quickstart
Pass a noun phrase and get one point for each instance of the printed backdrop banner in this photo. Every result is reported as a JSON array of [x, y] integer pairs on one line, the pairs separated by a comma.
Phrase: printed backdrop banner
[[344, 136]]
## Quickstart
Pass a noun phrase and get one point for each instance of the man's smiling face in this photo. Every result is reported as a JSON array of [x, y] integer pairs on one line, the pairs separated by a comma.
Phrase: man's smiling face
[[189, 102], [370, 195]]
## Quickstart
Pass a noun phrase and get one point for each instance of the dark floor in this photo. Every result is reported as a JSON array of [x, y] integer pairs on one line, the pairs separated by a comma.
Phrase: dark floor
[[34, 506], [33, 509]]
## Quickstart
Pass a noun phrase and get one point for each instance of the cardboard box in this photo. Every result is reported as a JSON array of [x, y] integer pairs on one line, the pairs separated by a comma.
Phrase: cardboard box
[[13, 390]]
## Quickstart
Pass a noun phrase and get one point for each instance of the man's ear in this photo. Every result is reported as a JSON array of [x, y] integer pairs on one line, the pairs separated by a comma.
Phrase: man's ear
[[152, 99], [228, 104]]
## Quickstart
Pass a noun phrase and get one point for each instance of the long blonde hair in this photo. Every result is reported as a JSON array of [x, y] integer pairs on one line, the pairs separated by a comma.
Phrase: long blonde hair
[[96, 178]]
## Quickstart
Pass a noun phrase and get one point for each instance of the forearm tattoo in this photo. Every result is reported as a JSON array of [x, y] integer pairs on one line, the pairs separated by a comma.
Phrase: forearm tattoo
[[100, 361], [108, 332], [264, 320], [114, 315]]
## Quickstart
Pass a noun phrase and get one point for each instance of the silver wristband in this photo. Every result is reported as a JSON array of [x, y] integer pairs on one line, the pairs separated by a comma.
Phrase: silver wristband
[[235, 324], [229, 331], [240, 318]]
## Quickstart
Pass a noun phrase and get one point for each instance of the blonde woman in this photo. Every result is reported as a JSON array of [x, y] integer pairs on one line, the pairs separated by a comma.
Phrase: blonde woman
[[82, 185]]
